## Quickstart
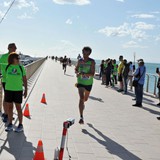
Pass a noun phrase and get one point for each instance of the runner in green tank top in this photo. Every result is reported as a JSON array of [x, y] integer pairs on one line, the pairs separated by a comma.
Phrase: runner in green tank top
[[3, 63], [85, 70]]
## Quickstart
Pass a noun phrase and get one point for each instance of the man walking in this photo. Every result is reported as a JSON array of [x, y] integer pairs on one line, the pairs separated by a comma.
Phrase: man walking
[[3, 63], [85, 71]]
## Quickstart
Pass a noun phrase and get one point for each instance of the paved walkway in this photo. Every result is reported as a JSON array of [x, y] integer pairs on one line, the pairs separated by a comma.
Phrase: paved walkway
[[113, 130]]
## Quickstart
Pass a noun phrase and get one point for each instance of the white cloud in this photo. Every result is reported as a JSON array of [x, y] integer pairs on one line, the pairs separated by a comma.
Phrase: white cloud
[[116, 31], [156, 12], [133, 44], [75, 2], [69, 21], [120, 1], [25, 16], [22, 4], [144, 26], [136, 30], [145, 16]]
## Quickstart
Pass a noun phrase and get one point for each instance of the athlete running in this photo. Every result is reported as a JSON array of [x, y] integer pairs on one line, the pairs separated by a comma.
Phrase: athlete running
[[85, 71], [64, 63]]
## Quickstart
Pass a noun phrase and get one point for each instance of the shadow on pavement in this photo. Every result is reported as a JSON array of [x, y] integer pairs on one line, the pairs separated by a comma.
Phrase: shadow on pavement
[[69, 75], [17, 145], [112, 146], [96, 99], [151, 111]]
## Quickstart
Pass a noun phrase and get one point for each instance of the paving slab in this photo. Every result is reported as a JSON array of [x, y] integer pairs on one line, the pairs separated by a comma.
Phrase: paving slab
[[113, 129]]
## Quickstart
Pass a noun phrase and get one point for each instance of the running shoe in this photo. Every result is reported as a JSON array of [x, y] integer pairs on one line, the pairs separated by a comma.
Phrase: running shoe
[[3, 115], [19, 128], [81, 121], [5, 118], [9, 128]]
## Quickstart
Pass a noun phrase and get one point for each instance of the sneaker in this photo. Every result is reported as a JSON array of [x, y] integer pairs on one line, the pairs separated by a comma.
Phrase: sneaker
[[19, 128], [9, 128], [137, 105], [5, 118], [120, 90], [3, 115], [81, 121]]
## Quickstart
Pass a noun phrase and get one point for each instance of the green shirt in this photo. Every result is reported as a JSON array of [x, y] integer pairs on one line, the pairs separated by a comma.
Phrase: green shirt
[[14, 78], [3, 64], [85, 67]]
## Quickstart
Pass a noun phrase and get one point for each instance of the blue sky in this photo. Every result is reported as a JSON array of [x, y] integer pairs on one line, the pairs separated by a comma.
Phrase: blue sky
[[63, 27]]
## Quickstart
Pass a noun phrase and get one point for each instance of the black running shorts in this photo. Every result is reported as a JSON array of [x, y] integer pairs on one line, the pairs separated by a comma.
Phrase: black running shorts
[[86, 87], [120, 78], [13, 96]]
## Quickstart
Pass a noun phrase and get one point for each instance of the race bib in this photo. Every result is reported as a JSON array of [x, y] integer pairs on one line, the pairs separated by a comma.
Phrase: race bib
[[84, 77]]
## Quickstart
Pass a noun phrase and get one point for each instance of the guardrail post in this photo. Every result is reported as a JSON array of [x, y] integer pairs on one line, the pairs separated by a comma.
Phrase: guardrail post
[[147, 87]]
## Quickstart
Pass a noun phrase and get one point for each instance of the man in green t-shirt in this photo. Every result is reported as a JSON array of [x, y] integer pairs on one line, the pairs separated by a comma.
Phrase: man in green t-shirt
[[3, 63]]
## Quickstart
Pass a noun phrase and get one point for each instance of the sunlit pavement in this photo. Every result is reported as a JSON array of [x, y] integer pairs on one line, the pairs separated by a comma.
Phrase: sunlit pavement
[[113, 129]]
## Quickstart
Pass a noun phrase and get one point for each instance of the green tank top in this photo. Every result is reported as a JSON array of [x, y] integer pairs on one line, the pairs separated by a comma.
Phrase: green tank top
[[115, 69], [85, 67]]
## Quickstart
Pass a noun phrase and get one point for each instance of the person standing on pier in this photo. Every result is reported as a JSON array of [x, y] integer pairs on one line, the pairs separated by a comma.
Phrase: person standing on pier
[[85, 71], [139, 77], [3, 63], [158, 86], [120, 69], [15, 75]]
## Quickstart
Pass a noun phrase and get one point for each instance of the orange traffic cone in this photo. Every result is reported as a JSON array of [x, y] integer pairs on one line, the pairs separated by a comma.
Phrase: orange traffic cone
[[26, 111], [43, 100], [39, 155]]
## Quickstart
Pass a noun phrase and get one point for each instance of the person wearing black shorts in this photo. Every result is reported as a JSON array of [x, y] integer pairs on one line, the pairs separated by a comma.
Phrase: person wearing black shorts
[[15, 79], [85, 71]]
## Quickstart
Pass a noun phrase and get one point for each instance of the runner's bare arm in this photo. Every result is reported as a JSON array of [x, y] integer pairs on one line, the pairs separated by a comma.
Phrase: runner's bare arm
[[25, 86], [76, 68]]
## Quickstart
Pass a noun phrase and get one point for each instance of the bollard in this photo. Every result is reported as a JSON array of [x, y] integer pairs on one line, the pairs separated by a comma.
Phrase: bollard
[[58, 155]]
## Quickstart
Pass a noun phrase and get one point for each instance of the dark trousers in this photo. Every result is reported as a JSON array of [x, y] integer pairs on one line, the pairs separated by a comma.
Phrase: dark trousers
[[139, 93], [108, 79], [125, 82]]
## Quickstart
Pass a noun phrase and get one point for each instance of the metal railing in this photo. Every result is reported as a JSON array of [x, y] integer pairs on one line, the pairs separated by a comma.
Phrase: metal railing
[[151, 78]]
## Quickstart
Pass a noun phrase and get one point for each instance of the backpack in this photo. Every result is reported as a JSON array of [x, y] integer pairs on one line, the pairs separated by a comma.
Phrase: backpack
[[19, 67], [125, 70]]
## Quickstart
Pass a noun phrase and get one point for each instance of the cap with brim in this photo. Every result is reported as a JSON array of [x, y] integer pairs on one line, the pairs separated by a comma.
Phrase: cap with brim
[[140, 61]]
